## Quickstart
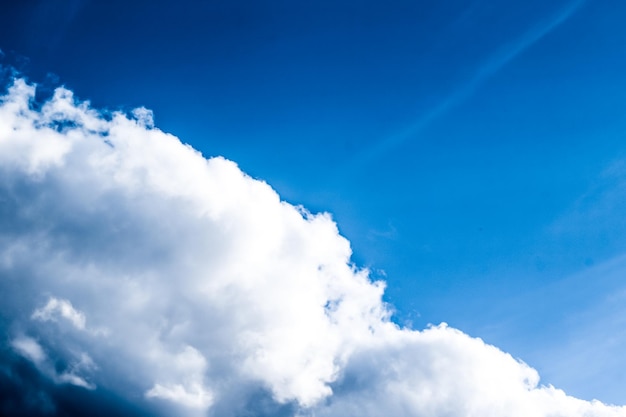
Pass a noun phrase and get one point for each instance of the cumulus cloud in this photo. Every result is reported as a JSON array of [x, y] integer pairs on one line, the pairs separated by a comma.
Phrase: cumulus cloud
[[132, 264]]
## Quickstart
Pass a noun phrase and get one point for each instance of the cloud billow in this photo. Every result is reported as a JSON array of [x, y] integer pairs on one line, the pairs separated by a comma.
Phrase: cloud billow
[[135, 269]]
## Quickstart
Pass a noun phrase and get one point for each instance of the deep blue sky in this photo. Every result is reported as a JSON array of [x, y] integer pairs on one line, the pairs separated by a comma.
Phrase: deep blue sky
[[472, 150]]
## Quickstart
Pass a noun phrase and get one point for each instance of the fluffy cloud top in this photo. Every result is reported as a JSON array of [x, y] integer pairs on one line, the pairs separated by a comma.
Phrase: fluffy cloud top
[[131, 264]]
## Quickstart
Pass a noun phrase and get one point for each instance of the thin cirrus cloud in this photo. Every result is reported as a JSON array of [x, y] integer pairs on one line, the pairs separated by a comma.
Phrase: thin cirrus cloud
[[136, 269], [493, 64]]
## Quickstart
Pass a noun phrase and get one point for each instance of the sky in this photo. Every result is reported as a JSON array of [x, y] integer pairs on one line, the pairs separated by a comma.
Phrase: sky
[[269, 208]]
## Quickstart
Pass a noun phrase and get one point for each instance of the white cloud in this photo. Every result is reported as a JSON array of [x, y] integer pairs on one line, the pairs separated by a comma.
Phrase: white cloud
[[210, 287], [193, 395], [191, 367], [56, 308], [443, 372], [29, 348]]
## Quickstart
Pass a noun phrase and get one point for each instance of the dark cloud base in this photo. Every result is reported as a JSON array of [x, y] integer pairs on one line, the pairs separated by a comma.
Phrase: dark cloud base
[[24, 392]]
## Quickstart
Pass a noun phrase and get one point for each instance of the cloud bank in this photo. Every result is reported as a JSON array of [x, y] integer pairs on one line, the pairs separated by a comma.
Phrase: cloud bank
[[138, 274]]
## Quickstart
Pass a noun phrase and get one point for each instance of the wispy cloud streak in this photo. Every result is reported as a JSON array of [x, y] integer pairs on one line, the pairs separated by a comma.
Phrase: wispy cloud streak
[[489, 68]]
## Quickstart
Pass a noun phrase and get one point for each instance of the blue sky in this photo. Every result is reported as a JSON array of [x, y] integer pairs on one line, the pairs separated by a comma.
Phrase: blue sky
[[471, 151]]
